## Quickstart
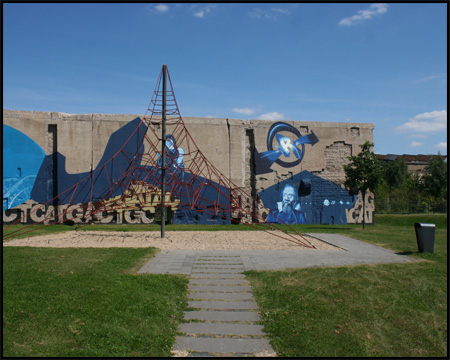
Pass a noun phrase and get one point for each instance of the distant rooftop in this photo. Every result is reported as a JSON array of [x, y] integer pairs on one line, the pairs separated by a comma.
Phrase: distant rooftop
[[410, 159]]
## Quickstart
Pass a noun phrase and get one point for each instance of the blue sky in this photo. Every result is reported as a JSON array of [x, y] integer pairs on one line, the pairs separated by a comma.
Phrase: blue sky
[[382, 63]]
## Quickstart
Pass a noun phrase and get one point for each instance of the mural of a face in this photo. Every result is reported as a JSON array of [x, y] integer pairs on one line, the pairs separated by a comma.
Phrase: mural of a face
[[289, 199], [288, 209]]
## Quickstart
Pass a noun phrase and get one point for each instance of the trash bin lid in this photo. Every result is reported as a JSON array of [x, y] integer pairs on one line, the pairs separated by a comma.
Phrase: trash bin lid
[[424, 225]]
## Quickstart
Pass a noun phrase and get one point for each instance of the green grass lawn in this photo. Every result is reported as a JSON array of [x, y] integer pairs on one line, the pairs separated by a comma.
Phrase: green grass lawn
[[87, 303], [389, 310], [90, 302]]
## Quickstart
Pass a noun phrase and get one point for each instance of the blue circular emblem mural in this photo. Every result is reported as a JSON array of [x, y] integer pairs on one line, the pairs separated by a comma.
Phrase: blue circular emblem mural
[[286, 145]]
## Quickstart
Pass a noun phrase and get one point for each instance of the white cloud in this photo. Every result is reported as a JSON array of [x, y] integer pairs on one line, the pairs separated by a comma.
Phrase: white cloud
[[442, 147], [200, 14], [361, 15], [245, 111], [280, 10], [428, 122], [415, 144], [162, 8], [271, 116], [431, 77], [200, 11], [272, 14]]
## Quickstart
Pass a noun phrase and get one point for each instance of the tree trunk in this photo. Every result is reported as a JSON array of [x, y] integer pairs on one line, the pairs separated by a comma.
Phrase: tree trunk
[[364, 210]]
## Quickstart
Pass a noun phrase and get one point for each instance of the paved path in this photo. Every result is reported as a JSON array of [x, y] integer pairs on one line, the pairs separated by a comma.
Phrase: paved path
[[354, 252], [225, 321]]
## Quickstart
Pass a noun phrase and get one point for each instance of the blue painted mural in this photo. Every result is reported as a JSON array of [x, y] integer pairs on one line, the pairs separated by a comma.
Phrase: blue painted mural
[[314, 201], [305, 198], [94, 185], [31, 178], [22, 158], [265, 160], [111, 179], [288, 210]]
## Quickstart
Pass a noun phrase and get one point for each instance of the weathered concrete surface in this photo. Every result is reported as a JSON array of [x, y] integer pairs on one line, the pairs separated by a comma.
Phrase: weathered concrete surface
[[227, 143], [82, 139]]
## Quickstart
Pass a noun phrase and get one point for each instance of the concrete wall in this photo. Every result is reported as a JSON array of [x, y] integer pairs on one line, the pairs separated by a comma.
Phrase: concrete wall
[[230, 144]]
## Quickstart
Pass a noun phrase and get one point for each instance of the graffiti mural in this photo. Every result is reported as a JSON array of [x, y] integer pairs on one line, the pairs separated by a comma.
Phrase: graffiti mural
[[305, 198], [22, 158], [44, 189], [174, 160], [124, 209], [317, 200], [265, 160], [288, 210], [71, 197], [31, 179]]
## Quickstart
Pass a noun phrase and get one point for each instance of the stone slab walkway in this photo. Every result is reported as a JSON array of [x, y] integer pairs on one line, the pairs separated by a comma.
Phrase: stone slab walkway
[[225, 321]]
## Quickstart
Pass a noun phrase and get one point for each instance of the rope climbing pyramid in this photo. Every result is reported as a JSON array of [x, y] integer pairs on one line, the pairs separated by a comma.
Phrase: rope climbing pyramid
[[158, 168]]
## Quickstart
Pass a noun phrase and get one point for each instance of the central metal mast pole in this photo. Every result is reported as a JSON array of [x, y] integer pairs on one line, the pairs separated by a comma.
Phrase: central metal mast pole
[[163, 156]]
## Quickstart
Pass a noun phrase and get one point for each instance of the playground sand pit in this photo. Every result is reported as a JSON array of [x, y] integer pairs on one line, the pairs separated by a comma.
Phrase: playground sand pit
[[174, 240]]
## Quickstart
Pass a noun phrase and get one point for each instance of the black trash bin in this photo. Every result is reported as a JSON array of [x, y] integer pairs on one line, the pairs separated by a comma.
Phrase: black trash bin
[[425, 236]]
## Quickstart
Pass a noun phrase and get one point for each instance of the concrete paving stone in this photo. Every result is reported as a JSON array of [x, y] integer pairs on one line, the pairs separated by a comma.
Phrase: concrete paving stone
[[219, 271], [222, 345], [228, 288], [213, 315], [215, 264], [221, 295], [223, 305], [216, 256], [219, 354], [221, 329], [218, 262], [218, 276], [216, 281], [218, 259], [219, 266], [179, 271]]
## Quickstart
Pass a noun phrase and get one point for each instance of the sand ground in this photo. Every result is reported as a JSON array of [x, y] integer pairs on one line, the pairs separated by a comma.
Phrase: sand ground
[[174, 240]]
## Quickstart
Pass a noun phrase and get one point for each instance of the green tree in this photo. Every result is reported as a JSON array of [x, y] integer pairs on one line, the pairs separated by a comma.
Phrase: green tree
[[435, 178], [382, 193], [417, 197], [363, 173], [395, 173]]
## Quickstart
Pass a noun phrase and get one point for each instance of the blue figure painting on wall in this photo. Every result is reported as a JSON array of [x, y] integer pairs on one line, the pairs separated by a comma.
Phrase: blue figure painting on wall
[[288, 209], [174, 155]]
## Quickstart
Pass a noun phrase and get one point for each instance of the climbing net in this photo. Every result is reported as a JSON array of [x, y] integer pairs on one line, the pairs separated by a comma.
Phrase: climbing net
[[131, 179]]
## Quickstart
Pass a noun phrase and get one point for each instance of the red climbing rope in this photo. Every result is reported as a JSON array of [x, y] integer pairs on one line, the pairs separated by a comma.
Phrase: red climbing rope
[[193, 183]]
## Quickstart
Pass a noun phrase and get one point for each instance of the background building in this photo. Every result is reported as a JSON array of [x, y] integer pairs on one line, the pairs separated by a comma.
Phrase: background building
[[416, 164]]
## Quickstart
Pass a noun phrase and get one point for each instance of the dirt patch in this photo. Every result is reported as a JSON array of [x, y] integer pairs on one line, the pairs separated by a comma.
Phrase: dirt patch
[[174, 240]]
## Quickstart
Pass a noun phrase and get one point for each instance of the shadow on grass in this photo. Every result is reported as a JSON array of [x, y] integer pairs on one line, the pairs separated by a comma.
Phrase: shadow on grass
[[406, 253]]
